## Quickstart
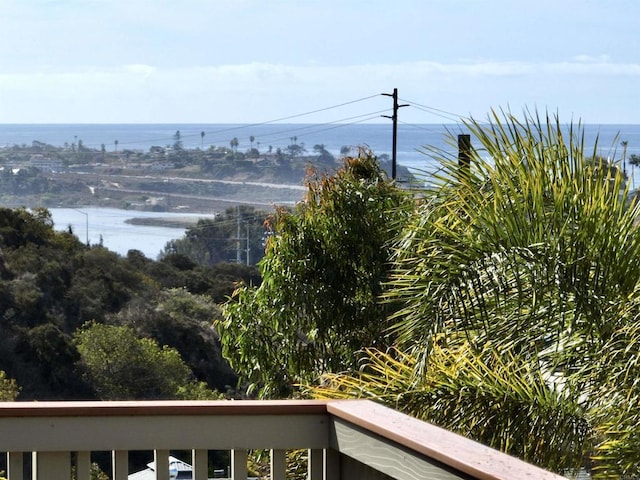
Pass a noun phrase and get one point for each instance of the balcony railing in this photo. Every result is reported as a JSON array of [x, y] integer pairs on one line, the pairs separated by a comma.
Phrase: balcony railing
[[349, 439]]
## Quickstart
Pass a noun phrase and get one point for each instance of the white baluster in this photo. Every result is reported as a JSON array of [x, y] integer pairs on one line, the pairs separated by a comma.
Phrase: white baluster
[[278, 464], [239, 464], [51, 466], [120, 461], [200, 464], [15, 465], [83, 465]]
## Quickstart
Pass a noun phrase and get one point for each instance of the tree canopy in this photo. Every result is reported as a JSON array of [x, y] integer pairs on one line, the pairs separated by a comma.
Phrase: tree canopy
[[121, 366], [51, 284], [239, 231], [323, 272]]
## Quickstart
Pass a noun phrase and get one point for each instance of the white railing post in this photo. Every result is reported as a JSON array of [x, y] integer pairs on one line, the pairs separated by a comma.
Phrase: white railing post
[[15, 462], [51, 466], [120, 462], [278, 464], [315, 469], [83, 465], [161, 459], [200, 459], [239, 464]]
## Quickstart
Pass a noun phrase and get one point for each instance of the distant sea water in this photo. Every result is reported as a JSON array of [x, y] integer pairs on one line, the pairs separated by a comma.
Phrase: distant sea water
[[411, 140]]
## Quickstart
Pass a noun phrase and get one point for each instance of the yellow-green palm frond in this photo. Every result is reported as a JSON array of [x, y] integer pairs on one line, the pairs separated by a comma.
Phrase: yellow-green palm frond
[[498, 399]]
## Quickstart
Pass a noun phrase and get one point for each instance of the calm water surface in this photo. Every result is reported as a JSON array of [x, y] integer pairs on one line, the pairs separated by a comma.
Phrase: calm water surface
[[108, 225]]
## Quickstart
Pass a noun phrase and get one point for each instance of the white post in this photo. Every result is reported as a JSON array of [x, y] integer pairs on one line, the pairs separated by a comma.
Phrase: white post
[[15, 465], [239, 464], [120, 461], [200, 464], [315, 469], [83, 465], [278, 464], [51, 466], [161, 457]]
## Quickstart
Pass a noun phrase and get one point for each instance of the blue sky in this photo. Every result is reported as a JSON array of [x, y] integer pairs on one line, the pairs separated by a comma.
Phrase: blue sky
[[250, 61]]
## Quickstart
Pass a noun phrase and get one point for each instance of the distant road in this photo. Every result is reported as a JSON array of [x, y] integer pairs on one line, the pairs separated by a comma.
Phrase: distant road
[[196, 197], [121, 183], [210, 180]]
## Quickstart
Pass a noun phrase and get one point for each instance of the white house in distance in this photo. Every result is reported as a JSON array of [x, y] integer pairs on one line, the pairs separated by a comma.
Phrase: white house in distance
[[178, 470]]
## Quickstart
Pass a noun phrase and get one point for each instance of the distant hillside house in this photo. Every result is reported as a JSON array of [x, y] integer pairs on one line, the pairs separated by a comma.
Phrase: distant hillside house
[[45, 164], [178, 470]]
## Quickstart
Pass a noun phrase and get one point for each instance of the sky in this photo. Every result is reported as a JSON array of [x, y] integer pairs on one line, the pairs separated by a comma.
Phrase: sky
[[317, 61]]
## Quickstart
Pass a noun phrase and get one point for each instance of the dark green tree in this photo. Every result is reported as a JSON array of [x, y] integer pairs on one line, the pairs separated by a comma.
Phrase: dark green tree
[[181, 320], [216, 240], [177, 141], [323, 272], [324, 156], [121, 366]]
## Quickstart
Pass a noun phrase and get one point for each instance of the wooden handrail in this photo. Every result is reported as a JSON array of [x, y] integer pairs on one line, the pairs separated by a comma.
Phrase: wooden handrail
[[448, 448], [393, 430], [158, 408]]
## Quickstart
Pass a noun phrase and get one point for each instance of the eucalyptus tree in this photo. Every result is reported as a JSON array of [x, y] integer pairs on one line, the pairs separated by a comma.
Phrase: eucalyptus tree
[[519, 282], [323, 272]]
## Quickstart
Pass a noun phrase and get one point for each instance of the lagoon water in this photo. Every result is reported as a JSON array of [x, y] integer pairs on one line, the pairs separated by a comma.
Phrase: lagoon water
[[107, 225]]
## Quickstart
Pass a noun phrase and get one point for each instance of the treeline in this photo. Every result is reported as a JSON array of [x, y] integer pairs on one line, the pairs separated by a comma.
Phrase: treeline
[[77, 322]]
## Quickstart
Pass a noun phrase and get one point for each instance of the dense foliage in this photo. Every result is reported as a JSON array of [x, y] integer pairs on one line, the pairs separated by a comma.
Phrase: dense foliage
[[519, 279], [323, 274], [237, 234], [121, 366], [51, 284], [502, 303]]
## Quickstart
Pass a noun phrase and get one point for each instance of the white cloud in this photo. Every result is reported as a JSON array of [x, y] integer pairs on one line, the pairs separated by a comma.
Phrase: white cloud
[[591, 58], [262, 91]]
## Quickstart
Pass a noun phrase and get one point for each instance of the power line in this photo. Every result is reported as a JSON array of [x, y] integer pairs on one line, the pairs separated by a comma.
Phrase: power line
[[436, 111], [245, 126], [323, 127]]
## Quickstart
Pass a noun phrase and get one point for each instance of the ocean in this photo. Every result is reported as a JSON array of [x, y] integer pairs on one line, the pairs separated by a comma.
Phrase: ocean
[[412, 138]]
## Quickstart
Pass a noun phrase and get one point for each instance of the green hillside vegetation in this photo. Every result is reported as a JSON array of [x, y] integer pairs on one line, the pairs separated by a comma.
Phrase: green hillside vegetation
[[53, 287]]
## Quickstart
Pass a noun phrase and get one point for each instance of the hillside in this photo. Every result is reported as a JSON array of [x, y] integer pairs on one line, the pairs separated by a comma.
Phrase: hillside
[[53, 288]]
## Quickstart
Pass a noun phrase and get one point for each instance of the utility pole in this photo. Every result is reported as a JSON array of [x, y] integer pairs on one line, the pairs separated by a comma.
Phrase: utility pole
[[394, 118], [248, 247], [238, 249], [87, 223]]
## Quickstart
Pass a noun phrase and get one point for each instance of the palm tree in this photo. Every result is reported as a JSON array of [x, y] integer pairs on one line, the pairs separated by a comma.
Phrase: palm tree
[[519, 287], [202, 139], [116, 145]]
